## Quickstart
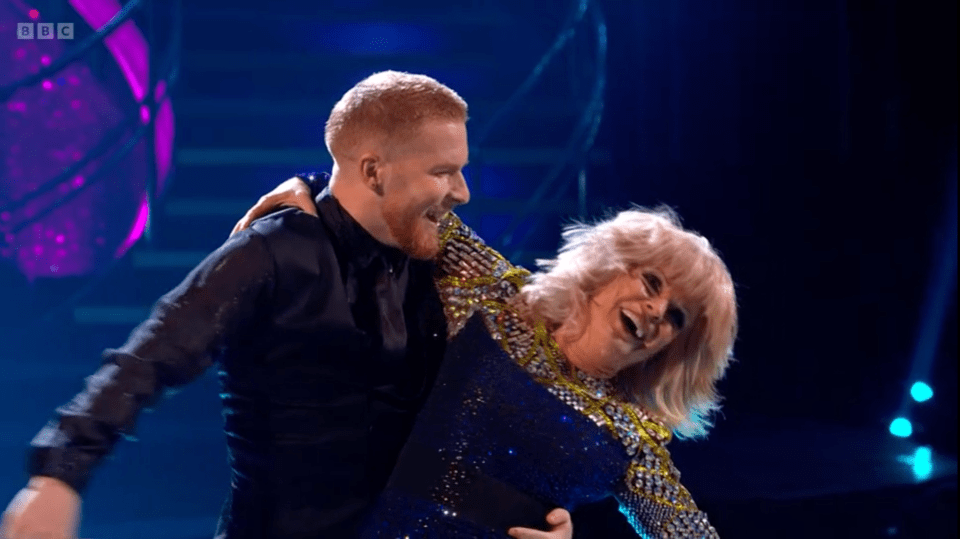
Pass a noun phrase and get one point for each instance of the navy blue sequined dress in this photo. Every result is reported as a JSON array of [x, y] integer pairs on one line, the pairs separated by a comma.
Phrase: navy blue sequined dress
[[489, 428], [510, 431]]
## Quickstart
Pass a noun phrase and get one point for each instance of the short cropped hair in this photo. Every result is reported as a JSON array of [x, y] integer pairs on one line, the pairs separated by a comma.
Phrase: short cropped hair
[[677, 385], [390, 105]]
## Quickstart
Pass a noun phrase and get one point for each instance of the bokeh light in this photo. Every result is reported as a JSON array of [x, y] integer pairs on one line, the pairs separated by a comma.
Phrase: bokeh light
[[920, 462], [921, 392], [901, 427]]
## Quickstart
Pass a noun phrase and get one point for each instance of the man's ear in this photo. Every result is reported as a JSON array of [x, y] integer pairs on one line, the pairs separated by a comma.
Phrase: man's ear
[[370, 171]]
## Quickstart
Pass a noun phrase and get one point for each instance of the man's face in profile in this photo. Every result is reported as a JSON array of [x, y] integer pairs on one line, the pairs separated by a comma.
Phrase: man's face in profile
[[423, 180]]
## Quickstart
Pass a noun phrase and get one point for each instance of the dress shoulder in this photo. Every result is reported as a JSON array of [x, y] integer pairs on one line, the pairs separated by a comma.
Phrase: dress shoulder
[[471, 275]]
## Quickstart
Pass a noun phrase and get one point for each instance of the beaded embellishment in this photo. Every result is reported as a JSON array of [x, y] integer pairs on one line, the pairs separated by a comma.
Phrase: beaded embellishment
[[472, 277]]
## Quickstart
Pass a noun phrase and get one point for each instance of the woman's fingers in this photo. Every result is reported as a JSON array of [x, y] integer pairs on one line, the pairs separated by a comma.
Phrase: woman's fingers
[[559, 519], [290, 195]]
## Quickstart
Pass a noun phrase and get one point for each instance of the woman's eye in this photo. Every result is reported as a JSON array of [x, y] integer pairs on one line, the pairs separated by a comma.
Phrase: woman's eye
[[653, 282]]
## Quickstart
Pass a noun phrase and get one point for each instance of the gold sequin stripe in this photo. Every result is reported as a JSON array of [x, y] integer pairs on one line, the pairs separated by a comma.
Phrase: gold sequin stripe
[[467, 293], [658, 486], [642, 438]]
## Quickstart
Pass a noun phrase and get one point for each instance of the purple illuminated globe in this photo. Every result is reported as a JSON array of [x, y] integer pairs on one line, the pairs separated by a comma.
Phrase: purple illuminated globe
[[70, 228]]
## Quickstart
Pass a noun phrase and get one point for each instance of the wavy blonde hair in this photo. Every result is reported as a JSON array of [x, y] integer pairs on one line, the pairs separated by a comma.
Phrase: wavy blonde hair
[[678, 385], [391, 105]]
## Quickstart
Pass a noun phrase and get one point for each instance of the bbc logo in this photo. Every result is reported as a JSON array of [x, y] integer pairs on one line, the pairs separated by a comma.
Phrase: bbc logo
[[44, 30]]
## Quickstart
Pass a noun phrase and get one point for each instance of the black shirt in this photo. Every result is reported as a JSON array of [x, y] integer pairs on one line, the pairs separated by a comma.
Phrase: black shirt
[[294, 311]]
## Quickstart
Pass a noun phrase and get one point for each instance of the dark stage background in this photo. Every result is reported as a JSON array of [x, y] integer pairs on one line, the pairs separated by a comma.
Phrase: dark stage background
[[814, 144]]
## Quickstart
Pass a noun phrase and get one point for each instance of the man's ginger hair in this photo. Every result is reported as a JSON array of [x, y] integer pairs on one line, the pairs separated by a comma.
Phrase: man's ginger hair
[[389, 106]]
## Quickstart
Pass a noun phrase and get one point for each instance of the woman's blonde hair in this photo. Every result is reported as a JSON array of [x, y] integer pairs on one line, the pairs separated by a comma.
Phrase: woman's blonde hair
[[391, 105], [678, 385]]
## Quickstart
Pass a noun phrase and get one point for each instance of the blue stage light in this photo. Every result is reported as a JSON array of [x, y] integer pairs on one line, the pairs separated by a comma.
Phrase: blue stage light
[[901, 427], [921, 392], [920, 462]]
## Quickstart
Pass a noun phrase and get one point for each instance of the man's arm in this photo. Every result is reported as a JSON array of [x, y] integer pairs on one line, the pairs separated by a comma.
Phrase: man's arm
[[173, 347]]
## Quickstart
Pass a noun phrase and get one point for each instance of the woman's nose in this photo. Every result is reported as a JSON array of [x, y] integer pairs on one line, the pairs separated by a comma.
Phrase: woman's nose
[[656, 308]]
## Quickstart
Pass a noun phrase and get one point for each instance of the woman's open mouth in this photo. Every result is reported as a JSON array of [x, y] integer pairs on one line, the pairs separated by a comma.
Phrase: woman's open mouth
[[631, 322]]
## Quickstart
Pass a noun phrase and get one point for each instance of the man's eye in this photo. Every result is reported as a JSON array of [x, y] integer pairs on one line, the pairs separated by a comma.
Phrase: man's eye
[[676, 317], [653, 282]]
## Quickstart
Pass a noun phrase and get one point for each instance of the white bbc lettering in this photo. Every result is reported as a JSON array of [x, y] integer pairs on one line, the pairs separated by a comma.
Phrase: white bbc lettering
[[25, 30], [45, 30], [64, 30]]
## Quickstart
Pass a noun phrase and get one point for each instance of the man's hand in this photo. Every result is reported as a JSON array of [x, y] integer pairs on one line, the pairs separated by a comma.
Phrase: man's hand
[[46, 508], [292, 193], [561, 527]]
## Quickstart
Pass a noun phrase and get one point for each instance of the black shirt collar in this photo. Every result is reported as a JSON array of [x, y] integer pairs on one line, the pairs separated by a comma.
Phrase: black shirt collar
[[357, 243]]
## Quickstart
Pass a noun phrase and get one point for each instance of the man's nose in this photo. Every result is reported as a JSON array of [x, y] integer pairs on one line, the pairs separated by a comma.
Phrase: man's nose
[[459, 191]]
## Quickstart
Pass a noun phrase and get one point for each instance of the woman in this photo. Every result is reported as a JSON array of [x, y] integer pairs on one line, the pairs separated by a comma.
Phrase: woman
[[563, 387]]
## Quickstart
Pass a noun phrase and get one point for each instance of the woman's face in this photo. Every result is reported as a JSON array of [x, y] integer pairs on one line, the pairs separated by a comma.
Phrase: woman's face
[[627, 322]]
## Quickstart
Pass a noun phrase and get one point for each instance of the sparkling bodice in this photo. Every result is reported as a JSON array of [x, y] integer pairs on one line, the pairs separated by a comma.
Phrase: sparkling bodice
[[508, 408]]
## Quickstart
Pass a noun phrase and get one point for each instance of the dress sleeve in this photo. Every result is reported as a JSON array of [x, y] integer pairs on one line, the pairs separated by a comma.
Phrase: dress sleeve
[[316, 181], [175, 345], [471, 275], [654, 501]]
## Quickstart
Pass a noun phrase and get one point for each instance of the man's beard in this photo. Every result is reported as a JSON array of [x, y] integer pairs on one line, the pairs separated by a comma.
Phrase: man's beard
[[418, 238]]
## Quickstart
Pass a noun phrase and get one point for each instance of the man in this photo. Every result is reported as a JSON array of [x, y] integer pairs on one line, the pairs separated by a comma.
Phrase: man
[[328, 333]]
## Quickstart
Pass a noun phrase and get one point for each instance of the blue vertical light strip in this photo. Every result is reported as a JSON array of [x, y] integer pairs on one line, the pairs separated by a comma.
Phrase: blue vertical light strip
[[942, 284], [582, 194]]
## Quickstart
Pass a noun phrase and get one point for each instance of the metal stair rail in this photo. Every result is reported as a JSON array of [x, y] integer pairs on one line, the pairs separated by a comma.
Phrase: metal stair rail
[[576, 152]]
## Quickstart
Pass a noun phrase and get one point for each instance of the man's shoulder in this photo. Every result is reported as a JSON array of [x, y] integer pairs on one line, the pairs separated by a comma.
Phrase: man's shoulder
[[291, 224], [293, 236]]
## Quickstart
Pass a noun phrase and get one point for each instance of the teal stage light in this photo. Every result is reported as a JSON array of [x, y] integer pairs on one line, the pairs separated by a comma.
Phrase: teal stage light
[[901, 427], [920, 462], [921, 392]]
